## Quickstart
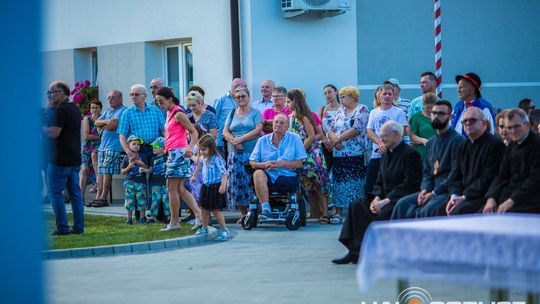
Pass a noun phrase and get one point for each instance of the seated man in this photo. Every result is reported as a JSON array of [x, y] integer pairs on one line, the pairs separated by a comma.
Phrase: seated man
[[479, 158], [516, 189], [275, 158], [439, 163], [400, 174]]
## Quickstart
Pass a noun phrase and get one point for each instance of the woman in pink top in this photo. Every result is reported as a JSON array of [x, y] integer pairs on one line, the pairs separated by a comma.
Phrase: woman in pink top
[[278, 98], [177, 127]]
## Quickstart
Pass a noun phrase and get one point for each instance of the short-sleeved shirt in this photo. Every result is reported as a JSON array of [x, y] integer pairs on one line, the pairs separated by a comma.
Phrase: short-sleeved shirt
[[109, 139], [269, 114], [416, 106], [378, 117], [157, 177], [421, 126], [207, 121], [66, 148], [290, 148], [147, 124], [176, 134], [262, 105], [239, 126], [223, 105], [356, 120], [212, 170], [134, 174]]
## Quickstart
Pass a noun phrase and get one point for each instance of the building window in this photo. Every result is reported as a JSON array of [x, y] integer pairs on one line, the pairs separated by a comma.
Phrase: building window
[[179, 67], [94, 68]]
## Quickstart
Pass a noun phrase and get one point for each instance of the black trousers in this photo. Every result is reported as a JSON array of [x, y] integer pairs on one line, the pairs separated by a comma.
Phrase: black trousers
[[357, 221]]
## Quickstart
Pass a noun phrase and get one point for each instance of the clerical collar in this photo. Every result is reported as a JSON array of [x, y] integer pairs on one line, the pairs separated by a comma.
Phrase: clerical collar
[[519, 142]]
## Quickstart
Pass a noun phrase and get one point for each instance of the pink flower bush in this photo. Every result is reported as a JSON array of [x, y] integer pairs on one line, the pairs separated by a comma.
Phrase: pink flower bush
[[83, 94]]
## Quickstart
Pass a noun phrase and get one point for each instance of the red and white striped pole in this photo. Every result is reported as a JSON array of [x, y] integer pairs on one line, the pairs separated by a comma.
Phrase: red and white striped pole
[[438, 46]]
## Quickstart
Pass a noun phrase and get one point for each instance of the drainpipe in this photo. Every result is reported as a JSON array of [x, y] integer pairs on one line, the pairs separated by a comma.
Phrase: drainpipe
[[235, 38]]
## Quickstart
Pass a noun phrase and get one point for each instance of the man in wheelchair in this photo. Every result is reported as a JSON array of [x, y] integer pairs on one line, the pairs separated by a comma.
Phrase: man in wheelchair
[[275, 158]]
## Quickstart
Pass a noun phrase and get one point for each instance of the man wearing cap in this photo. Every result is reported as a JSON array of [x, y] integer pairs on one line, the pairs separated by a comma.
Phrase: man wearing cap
[[110, 147], [65, 162], [402, 103], [516, 189], [224, 105], [428, 84], [469, 87]]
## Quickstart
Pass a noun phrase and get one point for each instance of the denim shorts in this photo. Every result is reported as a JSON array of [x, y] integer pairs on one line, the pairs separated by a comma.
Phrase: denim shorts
[[178, 166]]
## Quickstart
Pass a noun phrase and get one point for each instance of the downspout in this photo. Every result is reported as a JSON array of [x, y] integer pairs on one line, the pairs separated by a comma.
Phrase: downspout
[[235, 38]]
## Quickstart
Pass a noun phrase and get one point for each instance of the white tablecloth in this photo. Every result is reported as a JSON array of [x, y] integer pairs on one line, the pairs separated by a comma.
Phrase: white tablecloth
[[496, 251]]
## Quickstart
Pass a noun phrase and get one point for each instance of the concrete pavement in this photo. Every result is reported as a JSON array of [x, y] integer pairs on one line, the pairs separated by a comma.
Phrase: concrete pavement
[[266, 265]]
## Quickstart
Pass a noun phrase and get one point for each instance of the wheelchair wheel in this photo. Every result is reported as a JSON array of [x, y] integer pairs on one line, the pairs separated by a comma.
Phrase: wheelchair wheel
[[293, 223], [249, 222]]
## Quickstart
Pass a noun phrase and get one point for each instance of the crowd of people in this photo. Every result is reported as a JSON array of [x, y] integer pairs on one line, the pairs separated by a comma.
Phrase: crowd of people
[[401, 159]]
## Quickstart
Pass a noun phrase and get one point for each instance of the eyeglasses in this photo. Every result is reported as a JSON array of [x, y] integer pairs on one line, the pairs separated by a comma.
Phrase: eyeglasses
[[240, 96], [192, 105], [469, 121], [49, 93], [437, 113], [154, 87], [277, 96], [136, 94], [531, 107], [501, 126]]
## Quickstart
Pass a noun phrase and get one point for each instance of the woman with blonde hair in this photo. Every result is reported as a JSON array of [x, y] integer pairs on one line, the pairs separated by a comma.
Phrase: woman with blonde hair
[[348, 137]]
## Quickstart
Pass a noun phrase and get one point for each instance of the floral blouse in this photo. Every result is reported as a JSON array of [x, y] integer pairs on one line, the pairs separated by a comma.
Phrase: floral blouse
[[357, 120]]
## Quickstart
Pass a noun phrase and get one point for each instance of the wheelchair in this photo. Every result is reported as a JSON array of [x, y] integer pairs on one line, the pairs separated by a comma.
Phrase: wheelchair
[[284, 206]]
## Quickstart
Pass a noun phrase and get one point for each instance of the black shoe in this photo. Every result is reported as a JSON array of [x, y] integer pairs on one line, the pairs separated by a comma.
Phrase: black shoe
[[188, 218], [75, 232], [56, 232], [349, 258]]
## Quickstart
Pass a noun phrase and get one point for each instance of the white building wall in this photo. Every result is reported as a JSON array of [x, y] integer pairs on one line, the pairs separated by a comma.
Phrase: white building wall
[[76, 24], [305, 51]]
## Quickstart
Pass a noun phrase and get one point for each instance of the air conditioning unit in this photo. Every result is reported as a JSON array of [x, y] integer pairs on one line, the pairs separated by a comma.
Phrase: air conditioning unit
[[327, 8]]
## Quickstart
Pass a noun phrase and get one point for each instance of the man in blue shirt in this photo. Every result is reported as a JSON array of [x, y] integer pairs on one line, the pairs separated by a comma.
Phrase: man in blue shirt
[[275, 158], [224, 105], [143, 120], [110, 147]]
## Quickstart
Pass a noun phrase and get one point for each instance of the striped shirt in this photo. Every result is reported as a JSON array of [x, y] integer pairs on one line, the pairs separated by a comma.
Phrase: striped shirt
[[212, 170], [147, 124]]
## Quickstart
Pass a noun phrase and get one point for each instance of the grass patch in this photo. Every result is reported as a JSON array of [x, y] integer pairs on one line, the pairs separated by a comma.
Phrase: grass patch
[[109, 230]]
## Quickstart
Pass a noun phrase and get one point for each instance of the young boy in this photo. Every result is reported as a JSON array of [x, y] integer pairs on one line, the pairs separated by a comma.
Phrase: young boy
[[157, 181], [135, 183]]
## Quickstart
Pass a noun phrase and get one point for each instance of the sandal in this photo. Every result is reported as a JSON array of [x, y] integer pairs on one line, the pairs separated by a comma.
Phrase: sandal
[[336, 219], [324, 220], [100, 203], [89, 204]]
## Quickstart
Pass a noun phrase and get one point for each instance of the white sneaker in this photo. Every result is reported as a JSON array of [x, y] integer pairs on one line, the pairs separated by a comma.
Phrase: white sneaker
[[197, 224], [170, 227]]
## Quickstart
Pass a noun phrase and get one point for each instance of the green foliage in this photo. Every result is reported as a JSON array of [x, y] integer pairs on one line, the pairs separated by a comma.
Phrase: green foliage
[[109, 230]]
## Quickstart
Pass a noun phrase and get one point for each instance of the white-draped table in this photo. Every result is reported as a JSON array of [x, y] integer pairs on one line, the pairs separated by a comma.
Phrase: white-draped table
[[495, 251]]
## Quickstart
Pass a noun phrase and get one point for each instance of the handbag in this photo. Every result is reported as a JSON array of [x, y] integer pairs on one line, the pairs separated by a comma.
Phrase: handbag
[[225, 142]]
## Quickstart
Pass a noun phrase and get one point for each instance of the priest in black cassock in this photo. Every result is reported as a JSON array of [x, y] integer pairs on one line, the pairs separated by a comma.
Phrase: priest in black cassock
[[400, 174], [479, 158], [517, 187]]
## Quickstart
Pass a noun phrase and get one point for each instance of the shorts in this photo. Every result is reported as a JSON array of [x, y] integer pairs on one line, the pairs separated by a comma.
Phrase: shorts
[[283, 183], [178, 166], [108, 162], [135, 196]]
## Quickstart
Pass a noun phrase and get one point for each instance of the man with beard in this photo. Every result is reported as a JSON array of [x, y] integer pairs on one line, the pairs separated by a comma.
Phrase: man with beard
[[439, 164]]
